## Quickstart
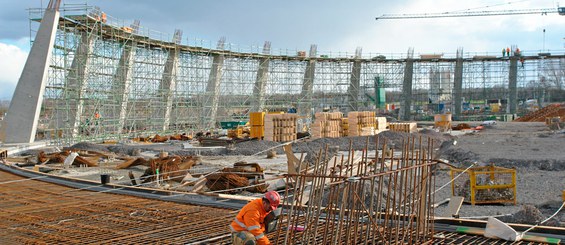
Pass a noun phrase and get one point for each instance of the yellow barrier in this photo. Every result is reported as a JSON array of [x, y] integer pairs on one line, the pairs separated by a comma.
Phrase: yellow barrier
[[483, 185]]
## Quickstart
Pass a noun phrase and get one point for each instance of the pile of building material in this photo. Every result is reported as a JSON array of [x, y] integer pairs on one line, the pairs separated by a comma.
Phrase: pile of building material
[[327, 125], [553, 110], [234, 180], [257, 122], [280, 127], [85, 158], [344, 127], [173, 168], [407, 127], [361, 123]]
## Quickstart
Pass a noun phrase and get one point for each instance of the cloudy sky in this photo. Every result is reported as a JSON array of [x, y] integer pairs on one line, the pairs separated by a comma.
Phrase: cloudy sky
[[334, 25]]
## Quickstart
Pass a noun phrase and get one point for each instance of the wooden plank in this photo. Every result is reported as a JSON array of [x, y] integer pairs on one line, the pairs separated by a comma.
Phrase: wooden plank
[[453, 206]]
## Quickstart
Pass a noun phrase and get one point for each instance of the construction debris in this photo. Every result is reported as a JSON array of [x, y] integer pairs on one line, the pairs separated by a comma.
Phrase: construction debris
[[159, 139], [132, 162], [231, 180], [172, 168], [461, 126], [90, 161]]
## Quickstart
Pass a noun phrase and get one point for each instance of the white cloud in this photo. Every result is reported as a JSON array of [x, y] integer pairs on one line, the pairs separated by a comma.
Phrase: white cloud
[[487, 34], [12, 61]]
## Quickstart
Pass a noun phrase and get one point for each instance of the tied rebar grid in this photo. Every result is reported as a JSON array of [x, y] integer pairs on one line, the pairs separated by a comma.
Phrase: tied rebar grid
[[365, 201], [35, 212]]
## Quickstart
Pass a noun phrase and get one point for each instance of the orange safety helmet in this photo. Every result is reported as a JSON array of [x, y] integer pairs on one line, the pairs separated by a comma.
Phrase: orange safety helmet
[[274, 199]]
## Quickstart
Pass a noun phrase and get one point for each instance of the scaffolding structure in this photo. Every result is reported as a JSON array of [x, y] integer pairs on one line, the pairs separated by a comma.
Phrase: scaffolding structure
[[112, 79]]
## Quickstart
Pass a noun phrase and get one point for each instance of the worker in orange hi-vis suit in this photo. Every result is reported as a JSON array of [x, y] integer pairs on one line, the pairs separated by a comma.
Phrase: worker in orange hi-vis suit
[[248, 226]]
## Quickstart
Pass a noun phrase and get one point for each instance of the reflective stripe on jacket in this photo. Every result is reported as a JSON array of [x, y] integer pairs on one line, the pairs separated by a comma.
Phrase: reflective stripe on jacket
[[250, 218]]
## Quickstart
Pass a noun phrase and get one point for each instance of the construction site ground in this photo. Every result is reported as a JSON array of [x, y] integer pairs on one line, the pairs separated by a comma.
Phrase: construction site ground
[[36, 212], [537, 153]]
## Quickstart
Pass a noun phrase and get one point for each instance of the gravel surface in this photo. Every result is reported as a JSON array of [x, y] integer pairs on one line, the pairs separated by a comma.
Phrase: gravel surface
[[537, 154]]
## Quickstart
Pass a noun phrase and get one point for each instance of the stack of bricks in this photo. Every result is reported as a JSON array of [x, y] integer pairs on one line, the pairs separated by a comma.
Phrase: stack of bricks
[[327, 125], [361, 123], [280, 127], [410, 127]]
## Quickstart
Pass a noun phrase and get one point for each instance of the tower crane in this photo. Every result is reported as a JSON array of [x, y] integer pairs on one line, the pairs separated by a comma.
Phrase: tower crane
[[543, 11]]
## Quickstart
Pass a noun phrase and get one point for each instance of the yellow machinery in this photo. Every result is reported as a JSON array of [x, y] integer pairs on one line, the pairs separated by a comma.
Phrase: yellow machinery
[[482, 185], [236, 133]]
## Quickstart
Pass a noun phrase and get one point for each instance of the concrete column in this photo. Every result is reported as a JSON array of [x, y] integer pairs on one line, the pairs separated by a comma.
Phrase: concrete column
[[258, 103], [353, 91], [168, 81], [22, 118], [122, 82], [305, 103], [513, 85], [213, 88], [407, 86], [77, 81], [458, 84]]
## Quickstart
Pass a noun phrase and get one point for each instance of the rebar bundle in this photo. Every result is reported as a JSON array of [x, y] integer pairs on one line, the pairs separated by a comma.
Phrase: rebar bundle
[[361, 200]]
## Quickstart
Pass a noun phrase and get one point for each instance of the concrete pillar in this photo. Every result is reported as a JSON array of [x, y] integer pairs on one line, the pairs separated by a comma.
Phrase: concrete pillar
[[258, 103], [77, 81], [353, 91], [21, 121], [407, 86], [513, 85], [213, 87], [122, 82], [458, 84], [305, 103], [168, 81]]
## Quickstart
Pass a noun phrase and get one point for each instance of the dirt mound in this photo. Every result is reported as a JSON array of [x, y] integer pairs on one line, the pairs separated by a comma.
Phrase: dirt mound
[[457, 156], [530, 214]]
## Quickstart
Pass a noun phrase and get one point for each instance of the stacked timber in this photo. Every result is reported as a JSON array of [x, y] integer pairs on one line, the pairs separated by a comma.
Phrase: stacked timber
[[344, 127], [361, 123], [327, 125], [257, 122], [381, 124], [280, 127], [408, 127]]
